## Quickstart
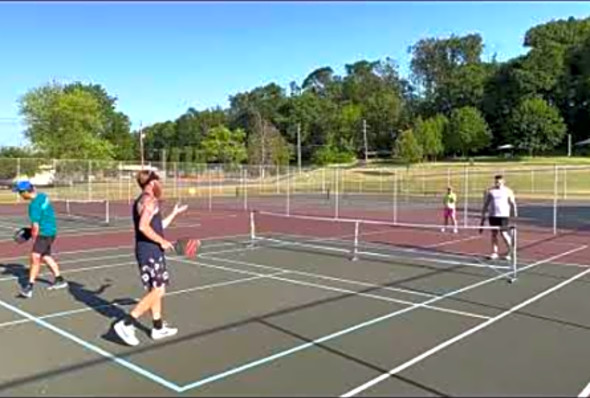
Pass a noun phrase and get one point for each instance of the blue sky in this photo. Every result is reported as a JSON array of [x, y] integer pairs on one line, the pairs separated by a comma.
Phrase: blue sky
[[161, 58]]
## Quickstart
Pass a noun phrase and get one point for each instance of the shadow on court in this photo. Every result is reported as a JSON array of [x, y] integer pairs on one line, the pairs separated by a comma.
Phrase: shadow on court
[[109, 309], [20, 272]]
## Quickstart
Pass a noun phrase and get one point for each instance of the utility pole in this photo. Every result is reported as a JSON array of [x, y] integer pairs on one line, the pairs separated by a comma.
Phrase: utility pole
[[365, 141], [299, 146], [569, 145]]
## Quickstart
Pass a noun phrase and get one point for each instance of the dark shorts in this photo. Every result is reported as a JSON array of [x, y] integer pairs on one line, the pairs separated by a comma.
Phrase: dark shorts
[[152, 266], [42, 245], [501, 222]]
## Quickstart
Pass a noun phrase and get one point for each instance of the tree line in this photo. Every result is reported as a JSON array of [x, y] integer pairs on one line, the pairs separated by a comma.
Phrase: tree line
[[453, 103]]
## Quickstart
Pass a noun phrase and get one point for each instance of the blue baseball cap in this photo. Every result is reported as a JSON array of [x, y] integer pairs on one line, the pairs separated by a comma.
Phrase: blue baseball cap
[[23, 186]]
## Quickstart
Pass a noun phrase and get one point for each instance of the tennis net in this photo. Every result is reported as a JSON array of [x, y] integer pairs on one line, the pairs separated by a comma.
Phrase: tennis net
[[411, 243], [93, 211]]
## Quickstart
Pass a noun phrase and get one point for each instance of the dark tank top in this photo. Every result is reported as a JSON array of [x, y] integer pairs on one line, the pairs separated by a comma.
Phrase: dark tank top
[[142, 241]]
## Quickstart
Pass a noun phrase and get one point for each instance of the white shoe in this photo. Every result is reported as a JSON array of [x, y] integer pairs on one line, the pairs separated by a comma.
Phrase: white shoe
[[493, 256], [507, 257], [164, 332], [126, 333], [442, 230], [456, 231]]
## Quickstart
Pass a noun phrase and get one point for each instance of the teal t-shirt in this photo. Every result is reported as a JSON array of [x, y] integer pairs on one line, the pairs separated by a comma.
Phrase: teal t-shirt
[[41, 212]]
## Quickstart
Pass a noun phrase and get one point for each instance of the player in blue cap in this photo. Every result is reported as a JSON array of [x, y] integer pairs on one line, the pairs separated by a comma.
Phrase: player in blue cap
[[43, 231]]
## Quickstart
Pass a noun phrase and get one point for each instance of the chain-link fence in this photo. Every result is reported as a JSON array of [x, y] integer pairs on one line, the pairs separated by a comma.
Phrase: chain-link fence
[[548, 196]]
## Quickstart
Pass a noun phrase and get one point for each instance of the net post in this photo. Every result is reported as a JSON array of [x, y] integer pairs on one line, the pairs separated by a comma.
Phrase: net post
[[251, 244], [514, 253], [356, 242], [108, 212]]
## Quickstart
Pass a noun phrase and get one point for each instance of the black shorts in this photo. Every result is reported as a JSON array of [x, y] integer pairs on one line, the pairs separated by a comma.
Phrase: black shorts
[[152, 266], [42, 245], [501, 222]]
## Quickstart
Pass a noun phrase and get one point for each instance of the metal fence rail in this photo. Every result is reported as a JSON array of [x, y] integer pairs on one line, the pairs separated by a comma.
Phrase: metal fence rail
[[549, 196]]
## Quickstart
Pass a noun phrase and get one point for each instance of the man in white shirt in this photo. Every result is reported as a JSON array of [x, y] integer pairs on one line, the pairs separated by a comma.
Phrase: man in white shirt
[[500, 203]]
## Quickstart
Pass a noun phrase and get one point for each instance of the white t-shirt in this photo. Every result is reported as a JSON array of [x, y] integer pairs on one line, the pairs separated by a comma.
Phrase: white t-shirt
[[499, 205]]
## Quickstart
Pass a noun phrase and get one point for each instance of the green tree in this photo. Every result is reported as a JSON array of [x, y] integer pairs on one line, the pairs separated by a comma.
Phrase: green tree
[[223, 145], [466, 132], [65, 124], [429, 134], [407, 147], [536, 126], [116, 127], [266, 146]]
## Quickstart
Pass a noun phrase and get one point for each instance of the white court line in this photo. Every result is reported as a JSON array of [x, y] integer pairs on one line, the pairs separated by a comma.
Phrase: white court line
[[114, 248], [321, 276], [395, 256], [325, 287], [460, 336], [73, 271], [585, 392], [173, 293], [370, 322], [89, 259], [91, 347]]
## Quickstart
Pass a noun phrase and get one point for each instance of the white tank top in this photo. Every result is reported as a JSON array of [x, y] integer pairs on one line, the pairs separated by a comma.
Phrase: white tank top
[[499, 201]]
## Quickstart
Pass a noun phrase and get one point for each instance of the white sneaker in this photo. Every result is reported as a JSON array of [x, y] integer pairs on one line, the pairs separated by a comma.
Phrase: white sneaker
[[507, 257], [126, 333], [442, 230], [456, 231], [164, 332], [493, 256]]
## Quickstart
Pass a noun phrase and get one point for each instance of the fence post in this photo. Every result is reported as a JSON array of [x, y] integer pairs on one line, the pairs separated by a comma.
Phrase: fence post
[[278, 178], [175, 180], [17, 196], [245, 188], [466, 195], [565, 182], [337, 193], [89, 178], [210, 188], [555, 194], [120, 180], [288, 209], [395, 196]]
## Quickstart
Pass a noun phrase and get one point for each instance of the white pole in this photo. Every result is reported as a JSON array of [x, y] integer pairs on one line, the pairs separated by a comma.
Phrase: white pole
[[244, 189], [555, 194], [299, 146], [210, 188], [337, 193], [395, 196], [466, 196], [288, 210]]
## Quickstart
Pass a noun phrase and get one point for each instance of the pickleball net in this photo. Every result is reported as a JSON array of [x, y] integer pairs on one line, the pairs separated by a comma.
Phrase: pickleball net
[[469, 246], [85, 211]]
